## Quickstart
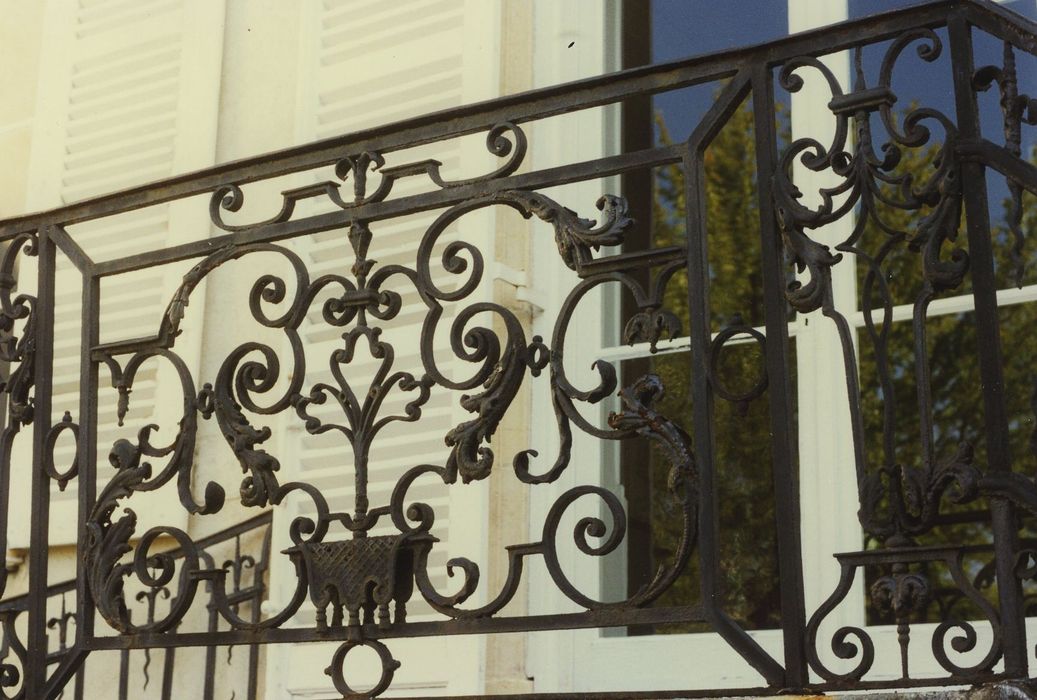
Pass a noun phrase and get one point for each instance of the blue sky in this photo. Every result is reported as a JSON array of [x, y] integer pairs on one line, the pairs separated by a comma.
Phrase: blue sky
[[683, 28]]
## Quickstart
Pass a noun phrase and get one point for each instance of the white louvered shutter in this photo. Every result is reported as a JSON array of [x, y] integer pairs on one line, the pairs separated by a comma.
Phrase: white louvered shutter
[[367, 63], [128, 95]]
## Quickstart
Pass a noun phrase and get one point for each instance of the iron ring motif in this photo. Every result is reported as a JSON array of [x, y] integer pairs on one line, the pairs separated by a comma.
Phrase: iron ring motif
[[62, 478], [740, 399], [335, 670]]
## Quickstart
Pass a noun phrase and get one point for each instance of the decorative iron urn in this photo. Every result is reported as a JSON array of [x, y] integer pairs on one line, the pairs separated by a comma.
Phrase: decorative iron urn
[[365, 573]]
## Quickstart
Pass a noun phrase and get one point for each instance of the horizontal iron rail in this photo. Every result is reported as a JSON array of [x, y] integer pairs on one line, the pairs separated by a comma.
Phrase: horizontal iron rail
[[460, 626], [984, 151], [1002, 160], [518, 108], [991, 17], [376, 211]]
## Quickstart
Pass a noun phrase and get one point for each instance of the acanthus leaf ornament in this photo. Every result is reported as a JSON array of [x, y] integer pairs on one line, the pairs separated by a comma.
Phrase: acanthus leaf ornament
[[468, 456], [874, 184], [576, 237], [259, 466], [18, 358], [17, 349], [107, 541], [650, 325], [641, 416], [178, 305]]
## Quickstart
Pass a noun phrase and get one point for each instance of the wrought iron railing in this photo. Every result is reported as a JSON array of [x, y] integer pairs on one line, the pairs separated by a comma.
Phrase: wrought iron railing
[[243, 551], [360, 585]]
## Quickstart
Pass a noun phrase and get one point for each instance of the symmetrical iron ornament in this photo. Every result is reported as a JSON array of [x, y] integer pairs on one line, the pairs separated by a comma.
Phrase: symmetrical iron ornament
[[149, 588]]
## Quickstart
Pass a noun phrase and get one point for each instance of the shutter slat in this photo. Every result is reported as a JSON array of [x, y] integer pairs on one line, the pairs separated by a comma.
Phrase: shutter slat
[[115, 117]]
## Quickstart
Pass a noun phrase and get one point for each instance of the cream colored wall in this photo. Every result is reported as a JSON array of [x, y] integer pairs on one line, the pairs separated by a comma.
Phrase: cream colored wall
[[506, 670], [20, 48], [21, 42], [258, 113], [19, 55]]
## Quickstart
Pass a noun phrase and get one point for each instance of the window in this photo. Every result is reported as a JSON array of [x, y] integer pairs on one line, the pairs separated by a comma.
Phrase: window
[[698, 301], [665, 31], [827, 480], [603, 658]]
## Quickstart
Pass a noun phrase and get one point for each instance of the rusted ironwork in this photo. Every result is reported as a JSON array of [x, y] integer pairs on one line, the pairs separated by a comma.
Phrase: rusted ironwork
[[367, 579]]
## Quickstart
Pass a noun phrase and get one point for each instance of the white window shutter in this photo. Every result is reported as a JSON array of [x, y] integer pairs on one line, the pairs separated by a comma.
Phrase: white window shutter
[[376, 63], [129, 93], [367, 63]]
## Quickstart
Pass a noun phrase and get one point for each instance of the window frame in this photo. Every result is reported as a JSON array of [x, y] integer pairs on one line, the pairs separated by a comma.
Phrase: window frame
[[825, 454]]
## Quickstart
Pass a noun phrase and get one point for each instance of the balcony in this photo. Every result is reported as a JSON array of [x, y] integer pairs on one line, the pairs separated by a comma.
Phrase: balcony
[[637, 430]]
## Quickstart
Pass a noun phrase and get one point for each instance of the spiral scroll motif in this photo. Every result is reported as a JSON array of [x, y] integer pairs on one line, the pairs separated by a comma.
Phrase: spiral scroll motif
[[872, 184], [320, 396], [254, 382], [900, 503]]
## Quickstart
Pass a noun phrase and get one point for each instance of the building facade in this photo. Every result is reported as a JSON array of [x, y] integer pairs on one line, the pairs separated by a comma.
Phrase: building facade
[[329, 382]]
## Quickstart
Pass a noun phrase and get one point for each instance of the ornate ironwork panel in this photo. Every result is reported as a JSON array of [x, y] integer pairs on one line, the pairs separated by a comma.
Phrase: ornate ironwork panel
[[910, 182]]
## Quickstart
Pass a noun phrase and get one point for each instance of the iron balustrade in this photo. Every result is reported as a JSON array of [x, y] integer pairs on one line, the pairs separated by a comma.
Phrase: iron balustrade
[[360, 586], [246, 562]]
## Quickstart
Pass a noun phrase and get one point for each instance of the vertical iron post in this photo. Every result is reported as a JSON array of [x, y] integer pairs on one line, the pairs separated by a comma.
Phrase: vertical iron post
[[87, 445], [39, 538], [701, 336], [984, 286], [779, 392]]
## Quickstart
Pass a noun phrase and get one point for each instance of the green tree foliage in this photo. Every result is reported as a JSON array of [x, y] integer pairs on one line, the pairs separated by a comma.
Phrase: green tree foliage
[[748, 560], [957, 390], [748, 568]]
